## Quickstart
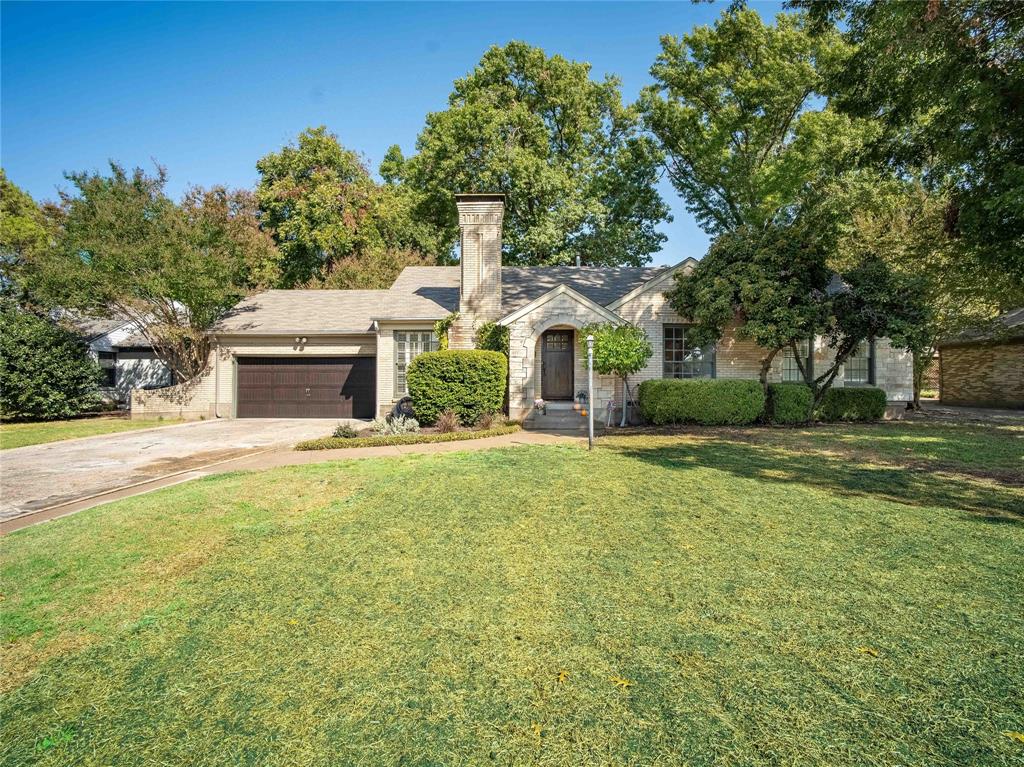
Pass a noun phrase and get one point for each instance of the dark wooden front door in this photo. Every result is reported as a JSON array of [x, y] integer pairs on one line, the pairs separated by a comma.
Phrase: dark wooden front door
[[556, 365], [306, 387]]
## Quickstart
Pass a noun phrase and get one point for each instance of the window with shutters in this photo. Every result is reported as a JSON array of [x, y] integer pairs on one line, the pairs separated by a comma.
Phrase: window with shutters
[[408, 345]]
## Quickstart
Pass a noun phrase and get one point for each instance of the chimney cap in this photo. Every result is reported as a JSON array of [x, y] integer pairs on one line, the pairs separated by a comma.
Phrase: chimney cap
[[479, 197]]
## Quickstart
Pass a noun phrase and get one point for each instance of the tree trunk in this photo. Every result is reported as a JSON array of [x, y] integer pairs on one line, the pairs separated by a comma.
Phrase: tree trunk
[[766, 366]]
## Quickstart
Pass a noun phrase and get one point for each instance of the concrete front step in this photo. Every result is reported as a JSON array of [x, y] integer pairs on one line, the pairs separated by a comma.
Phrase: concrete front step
[[564, 421]]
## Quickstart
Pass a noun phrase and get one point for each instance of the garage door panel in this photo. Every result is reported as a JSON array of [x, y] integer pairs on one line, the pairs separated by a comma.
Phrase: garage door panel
[[317, 387]]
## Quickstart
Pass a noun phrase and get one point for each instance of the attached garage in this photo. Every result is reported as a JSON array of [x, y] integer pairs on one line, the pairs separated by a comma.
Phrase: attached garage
[[306, 387]]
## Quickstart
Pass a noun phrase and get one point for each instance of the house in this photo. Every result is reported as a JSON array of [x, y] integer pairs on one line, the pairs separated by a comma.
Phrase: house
[[125, 356], [344, 353], [985, 366]]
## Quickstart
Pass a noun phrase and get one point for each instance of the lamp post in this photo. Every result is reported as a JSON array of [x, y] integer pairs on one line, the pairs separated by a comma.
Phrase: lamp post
[[590, 392]]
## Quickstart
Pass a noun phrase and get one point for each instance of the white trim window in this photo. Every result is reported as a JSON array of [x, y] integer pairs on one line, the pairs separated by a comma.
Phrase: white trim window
[[108, 364], [409, 344]]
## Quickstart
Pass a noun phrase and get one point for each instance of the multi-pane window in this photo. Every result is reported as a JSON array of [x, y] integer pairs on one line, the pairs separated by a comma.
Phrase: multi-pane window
[[790, 367], [108, 364], [408, 345], [684, 361], [858, 367]]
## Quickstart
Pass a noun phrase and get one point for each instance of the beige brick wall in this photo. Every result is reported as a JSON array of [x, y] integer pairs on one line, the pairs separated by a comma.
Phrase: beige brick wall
[[212, 394], [741, 358], [480, 262], [983, 375], [386, 395]]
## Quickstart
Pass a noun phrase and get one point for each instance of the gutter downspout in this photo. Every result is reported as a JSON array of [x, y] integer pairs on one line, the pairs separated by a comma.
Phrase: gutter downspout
[[216, 378]]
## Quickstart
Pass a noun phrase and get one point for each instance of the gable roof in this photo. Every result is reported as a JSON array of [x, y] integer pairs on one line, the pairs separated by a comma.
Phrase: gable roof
[[561, 290], [91, 328], [657, 280], [521, 285], [325, 312]]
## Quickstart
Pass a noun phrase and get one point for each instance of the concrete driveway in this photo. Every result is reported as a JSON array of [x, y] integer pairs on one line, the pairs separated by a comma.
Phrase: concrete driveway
[[41, 476]]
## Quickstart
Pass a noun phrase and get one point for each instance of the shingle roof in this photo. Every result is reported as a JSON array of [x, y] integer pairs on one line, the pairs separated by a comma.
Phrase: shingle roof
[[324, 311], [521, 285], [1005, 327], [419, 293], [135, 341], [94, 327]]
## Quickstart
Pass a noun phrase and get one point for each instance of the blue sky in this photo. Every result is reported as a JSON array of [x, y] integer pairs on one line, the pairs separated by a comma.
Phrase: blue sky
[[206, 89]]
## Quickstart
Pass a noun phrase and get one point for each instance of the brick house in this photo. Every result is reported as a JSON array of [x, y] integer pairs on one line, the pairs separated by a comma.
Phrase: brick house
[[343, 353], [985, 367]]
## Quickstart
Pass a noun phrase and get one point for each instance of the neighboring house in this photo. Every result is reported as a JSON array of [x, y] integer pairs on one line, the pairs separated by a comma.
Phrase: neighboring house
[[344, 353], [125, 356], [985, 367]]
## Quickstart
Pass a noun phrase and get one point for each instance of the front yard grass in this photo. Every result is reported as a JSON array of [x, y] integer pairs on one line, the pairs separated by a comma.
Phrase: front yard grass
[[39, 432], [849, 596]]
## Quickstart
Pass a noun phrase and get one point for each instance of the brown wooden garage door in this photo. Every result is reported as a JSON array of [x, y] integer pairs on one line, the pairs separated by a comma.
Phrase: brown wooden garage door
[[306, 387]]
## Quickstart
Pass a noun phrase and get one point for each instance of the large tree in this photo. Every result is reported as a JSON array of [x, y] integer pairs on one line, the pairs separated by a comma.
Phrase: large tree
[[945, 79], [23, 236], [124, 249], [335, 226], [776, 284], [738, 110], [578, 177]]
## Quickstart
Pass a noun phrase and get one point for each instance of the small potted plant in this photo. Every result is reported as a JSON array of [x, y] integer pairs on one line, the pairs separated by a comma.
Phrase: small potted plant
[[541, 405]]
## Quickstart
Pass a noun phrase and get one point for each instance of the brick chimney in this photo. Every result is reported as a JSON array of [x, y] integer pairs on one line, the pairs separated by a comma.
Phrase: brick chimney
[[480, 218]]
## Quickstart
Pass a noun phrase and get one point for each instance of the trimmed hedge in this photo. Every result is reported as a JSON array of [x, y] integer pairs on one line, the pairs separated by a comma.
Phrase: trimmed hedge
[[701, 400], [789, 402], [863, 403], [470, 382], [334, 443]]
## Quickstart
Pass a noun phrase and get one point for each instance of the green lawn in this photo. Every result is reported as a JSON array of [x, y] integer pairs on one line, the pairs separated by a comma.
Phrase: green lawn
[[22, 434], [834, 596]]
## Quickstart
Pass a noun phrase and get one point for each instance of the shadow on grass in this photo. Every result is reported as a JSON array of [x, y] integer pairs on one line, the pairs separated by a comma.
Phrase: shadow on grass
[[841, 475]]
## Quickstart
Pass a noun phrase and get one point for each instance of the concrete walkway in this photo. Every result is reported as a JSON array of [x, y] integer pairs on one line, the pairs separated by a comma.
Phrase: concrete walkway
[[268, 458]]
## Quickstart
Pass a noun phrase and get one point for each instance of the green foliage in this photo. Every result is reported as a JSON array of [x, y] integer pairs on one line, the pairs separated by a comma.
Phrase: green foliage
[[123, 248], [619, 350], [335, 226], [700, 400], [943, 79], [863, 403], [23, 235], [441, 328], [470, 382], [774, 278], [491, 336], [578, 176], [789, 403], [332, 443], [45, 371], [394, 426], [734, 110]]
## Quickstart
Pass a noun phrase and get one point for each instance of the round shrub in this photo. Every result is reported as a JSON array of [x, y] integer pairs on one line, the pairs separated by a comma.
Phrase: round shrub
[[789, 402], [470, 382], [700, 400], [45, 369], [863, 403]]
